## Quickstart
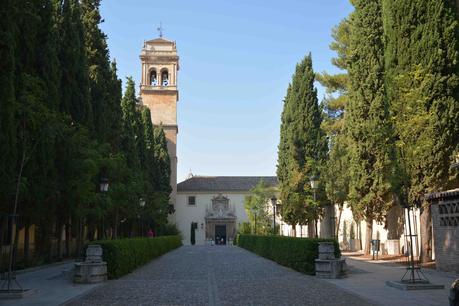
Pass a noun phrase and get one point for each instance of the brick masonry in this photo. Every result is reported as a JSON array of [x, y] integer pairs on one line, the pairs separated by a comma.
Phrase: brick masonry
[[445, 223]]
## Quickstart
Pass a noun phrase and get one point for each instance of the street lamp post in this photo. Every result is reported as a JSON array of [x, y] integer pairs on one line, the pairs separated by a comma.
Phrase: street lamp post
[[103, 188], [254, 213], [314, 180], [142, 205], [274, 203]]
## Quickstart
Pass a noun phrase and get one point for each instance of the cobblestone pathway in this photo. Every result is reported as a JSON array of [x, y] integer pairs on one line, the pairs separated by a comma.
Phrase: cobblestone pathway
[[217, 275]]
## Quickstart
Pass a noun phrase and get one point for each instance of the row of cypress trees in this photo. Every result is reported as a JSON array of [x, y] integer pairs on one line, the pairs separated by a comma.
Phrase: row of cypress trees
[[64, 125], [391, 116]]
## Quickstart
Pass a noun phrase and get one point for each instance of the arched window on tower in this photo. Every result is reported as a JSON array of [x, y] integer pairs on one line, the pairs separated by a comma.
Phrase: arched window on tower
[[153, 78], [164, 78]]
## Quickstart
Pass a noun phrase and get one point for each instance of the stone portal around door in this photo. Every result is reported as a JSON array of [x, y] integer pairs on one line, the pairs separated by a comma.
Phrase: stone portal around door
[[220, 220]]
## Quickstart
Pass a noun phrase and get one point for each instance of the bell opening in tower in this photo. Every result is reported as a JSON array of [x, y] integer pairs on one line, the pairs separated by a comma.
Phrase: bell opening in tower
[[165, 78], [153, 78]]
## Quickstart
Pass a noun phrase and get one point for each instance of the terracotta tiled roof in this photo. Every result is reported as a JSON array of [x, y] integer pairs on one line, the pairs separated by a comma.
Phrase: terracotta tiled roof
[[224, 183]]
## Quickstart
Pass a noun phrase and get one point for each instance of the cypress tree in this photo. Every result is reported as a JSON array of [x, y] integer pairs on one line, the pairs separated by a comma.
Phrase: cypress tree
[[302, 147], [100, 75], [8, 34], [149, 144], [36, 91], [74, 97], [162, 162], [367, 118], [421, 58], [130, 126], [113, 111], [157, 200]]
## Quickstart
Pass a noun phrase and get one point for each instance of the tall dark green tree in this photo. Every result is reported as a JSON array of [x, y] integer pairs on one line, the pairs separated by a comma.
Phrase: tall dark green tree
[[302, 147], [36, 87], [104, 106], [157, 199], [113, 109], [367, 118], [74, 94], [162, 162], [130, 127], [421, 58], [8, 34]]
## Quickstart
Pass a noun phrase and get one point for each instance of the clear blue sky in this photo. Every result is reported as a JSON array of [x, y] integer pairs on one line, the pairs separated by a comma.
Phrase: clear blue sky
[[236, 61]]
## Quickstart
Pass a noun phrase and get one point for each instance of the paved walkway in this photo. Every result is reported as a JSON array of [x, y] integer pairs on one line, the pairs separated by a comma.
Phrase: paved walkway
[[368, 279], [52, 285], [217, 275]]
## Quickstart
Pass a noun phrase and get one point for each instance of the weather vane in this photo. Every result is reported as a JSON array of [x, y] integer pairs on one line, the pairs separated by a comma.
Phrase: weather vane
[[160, 29]]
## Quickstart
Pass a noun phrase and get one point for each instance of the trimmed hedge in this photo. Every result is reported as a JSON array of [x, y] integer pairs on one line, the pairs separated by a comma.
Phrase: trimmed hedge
[[125, 255], [296, 253]]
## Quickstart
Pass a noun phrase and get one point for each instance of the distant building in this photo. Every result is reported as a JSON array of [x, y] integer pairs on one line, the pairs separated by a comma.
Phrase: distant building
[[215, 204]]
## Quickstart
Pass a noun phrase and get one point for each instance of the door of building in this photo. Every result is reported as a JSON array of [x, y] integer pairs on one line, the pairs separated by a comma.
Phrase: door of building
[[220, 234]]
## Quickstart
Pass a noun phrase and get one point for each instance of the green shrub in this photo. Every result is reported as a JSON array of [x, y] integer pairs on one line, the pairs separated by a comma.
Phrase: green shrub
[[296, 253], [125, 255], [168, 229], [245, 228]]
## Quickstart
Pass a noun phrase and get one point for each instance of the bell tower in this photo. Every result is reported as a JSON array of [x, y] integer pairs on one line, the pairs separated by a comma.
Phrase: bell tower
[[158, 91]]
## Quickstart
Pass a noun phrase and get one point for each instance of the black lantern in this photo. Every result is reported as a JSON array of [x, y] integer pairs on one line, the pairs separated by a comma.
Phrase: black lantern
[[142, 202], [103, 184], [314, 180], [274, 203]]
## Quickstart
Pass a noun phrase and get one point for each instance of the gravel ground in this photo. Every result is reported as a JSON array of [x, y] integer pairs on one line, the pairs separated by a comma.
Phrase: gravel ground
[[217, 275]]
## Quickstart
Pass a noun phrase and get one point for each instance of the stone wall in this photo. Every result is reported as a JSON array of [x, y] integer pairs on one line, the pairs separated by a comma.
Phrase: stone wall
[[445, 223]]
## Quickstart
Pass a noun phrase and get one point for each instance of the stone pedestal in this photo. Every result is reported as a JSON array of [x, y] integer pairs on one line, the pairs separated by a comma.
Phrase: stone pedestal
[[393, 246], [93, 269], [334, 268], [327, 266]]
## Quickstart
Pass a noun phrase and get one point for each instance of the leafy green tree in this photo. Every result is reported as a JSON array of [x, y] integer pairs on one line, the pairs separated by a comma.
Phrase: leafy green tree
[[367, 122], [257, 205], [302, 147], [421, 59]]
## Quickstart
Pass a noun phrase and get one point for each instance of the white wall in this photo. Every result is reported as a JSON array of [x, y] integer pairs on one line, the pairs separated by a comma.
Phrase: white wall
[[344, 233], [186, 214]]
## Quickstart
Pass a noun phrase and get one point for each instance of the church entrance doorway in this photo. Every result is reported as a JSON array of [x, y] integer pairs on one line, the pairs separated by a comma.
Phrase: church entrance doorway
[[220, 234]]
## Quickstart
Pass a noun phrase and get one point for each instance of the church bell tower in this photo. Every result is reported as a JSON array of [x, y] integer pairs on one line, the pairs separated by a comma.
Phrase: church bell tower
[[158, 91]]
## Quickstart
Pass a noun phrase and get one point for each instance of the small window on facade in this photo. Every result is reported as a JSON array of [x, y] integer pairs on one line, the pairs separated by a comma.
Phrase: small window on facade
[[191, 200]]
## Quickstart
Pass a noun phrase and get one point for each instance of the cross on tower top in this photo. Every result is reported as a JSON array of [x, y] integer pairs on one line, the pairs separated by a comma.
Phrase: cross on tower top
[[160, 29]]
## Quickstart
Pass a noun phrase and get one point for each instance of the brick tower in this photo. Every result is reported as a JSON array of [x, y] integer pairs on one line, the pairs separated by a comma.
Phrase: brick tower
[[158, 91]]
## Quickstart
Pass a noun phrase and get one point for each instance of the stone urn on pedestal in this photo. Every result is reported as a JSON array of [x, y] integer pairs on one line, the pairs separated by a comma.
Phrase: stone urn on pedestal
[[327, 265], [93, 269]]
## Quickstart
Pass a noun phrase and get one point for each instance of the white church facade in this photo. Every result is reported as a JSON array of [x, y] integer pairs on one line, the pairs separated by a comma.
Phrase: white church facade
[[215, 205]]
